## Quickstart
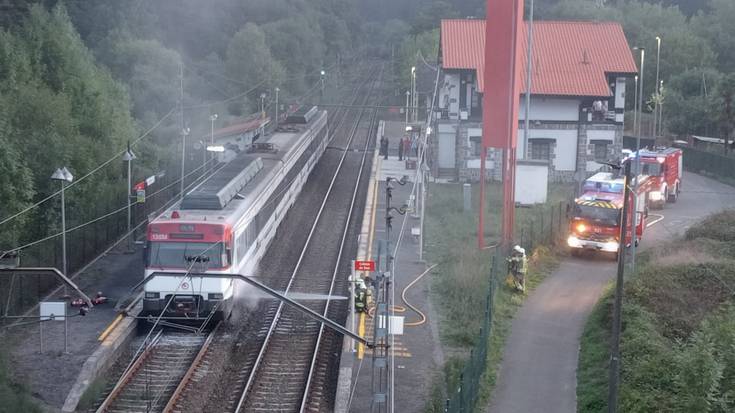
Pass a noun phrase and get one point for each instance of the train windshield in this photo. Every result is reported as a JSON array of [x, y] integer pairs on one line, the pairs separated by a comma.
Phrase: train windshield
[[181, 254], [599, 215]]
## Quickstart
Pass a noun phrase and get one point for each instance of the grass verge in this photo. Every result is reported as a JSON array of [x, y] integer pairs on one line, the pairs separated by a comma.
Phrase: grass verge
[[678, 329], [461, 280]]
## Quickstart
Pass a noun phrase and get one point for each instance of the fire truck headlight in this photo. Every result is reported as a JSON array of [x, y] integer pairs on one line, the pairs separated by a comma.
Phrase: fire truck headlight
[[655, 195], [573, 242], [581, 228], [611, 246]]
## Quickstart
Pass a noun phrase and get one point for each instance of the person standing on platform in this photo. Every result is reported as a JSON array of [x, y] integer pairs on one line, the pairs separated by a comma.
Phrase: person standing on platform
[[385, 151], [400, 150]]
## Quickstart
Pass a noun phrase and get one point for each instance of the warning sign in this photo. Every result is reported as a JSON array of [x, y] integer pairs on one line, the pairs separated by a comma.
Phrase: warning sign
[[367, 265]]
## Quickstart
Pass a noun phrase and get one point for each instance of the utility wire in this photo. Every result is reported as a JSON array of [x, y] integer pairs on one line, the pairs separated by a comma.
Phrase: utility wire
[[80, 226]]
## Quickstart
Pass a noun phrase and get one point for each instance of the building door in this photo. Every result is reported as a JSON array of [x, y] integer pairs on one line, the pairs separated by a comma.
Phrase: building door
[[447, 141]]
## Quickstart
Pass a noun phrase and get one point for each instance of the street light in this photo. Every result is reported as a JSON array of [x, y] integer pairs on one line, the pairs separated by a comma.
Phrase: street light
[[64, 176], [656, 85], [262, 106], [408, 94], [660, 108], [321, 75], [184, 133], [635, 104], [414, 100], [211, 136], [277, 90], [128, 157]]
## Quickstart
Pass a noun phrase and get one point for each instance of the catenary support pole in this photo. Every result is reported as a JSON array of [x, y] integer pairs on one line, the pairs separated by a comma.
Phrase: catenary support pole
[[614, 380]]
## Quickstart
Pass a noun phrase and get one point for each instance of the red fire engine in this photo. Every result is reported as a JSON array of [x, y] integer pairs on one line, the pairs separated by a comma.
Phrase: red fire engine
[[595, 218], [664, 166]]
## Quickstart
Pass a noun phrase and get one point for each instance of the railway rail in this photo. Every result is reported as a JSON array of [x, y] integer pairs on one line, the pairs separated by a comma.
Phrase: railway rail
[[285, 368], [271, 360], [153, 376]]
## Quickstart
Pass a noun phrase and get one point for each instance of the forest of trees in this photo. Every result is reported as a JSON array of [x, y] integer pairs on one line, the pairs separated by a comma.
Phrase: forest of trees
[[80, 79]]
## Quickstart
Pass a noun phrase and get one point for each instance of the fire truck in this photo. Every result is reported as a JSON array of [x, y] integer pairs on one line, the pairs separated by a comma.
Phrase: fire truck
[[664, 166], [595, 216]]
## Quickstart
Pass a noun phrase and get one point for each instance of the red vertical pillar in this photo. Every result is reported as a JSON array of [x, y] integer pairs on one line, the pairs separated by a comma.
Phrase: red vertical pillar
[[501, 93]]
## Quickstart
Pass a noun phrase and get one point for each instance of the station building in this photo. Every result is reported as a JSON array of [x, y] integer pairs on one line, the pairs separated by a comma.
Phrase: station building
[[580, 70]]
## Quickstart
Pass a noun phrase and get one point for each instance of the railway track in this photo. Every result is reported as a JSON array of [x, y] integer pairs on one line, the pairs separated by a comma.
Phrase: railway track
[[151, 379], [285, 367], [266, 369]]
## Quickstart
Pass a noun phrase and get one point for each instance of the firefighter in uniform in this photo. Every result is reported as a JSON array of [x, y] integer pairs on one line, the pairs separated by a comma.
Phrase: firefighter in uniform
[[517, 268], [361, 296]]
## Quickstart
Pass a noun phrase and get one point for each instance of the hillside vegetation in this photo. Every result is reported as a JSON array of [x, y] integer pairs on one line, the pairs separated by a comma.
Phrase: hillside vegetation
[[678, 340]]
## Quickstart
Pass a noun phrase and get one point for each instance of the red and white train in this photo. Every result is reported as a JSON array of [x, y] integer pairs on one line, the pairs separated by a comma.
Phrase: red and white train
[[224, 225]]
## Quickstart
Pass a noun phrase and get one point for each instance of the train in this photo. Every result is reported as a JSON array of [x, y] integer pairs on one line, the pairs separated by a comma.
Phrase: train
[[225, 224]]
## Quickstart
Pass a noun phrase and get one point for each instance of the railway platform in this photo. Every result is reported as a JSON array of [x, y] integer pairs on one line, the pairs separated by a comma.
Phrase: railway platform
[[113, 274], [416, 352]]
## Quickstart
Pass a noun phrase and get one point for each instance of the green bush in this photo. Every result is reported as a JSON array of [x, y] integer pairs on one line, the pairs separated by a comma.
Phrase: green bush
[[678, 337]]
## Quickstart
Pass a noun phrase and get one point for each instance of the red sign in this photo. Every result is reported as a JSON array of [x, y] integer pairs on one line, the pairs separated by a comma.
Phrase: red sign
[[368, 265]]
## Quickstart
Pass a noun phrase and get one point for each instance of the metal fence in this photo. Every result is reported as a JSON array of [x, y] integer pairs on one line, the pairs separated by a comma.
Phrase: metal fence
[[697, 160], [90, 231], [543, 225]]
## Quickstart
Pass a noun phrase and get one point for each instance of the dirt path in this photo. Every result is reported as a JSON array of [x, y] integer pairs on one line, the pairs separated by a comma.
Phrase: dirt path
[[538, 373]]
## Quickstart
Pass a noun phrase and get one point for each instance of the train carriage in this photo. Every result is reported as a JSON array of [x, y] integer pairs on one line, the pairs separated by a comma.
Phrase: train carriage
[[225, 224]]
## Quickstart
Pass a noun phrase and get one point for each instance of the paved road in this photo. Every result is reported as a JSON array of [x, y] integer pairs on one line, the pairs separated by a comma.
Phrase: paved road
[[538, 372]]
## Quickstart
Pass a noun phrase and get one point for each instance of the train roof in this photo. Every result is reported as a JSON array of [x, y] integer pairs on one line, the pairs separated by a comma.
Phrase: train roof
[[228, 194]]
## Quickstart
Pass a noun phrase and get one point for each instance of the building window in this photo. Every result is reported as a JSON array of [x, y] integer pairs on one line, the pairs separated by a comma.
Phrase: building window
[[541, 150], [601, 151]]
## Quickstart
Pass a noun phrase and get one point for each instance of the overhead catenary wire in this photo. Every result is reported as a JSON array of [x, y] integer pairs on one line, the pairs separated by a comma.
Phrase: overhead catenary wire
[[109, 214]]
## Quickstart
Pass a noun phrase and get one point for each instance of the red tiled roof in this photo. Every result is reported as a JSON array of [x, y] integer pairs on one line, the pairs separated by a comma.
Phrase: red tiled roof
[[569, 58]]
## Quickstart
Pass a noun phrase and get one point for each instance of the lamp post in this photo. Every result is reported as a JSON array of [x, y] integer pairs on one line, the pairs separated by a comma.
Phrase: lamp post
[[414, 100], [658, 91], [277, 90], [408, 95], [212, 118], [184, 133], [128, 157], [64, 176], [321, 77], [262, 106], [635, 105], [660, 108], [529, 73]]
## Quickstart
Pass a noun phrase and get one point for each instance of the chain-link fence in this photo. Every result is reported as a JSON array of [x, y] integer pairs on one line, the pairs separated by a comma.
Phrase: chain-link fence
[[541, 225], [697, 160]]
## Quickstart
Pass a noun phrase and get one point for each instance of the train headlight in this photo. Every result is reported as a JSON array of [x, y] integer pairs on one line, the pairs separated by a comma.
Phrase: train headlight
[[152, 295], [215, 296], [581, 228], [573, 242]]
